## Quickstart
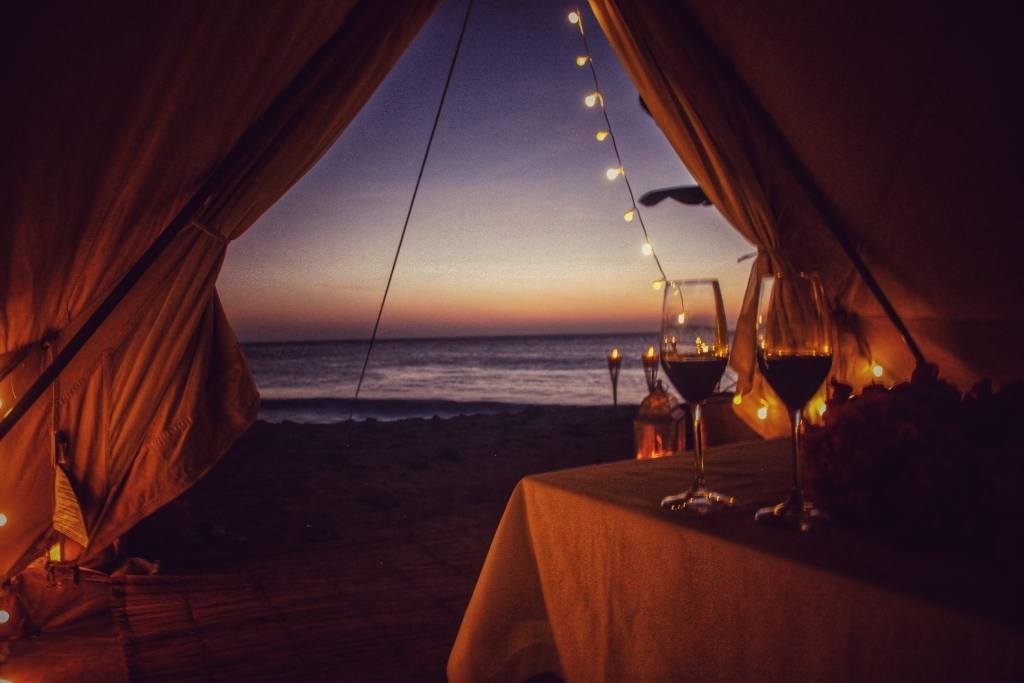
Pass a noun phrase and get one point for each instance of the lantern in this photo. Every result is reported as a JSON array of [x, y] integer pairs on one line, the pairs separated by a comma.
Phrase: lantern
[[660, 426]]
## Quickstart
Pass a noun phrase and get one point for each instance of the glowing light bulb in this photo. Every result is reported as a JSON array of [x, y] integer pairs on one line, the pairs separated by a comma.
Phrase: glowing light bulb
[[613, 173], [615, 353], [5, 616], [657, 285], [629, 215], [650, 352], [592, 99], [3, 519], [681, 318], [762, 413], [877, 370], [737, 400], [647, 249], [601, 135], [574, 18], [582, 60]]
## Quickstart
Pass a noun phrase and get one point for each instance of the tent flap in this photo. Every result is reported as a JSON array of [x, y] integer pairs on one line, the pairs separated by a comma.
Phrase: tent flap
[[126, 114], [895, 121]]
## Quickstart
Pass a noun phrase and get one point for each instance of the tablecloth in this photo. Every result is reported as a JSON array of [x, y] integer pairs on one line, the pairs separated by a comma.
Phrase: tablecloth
[[587, 578]]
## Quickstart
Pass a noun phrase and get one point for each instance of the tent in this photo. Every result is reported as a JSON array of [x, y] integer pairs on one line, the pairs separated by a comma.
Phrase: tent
[[875, 144]]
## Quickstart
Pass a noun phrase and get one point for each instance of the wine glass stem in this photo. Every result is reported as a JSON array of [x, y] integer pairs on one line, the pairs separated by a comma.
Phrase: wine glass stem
[[798, 488], [698, 444]]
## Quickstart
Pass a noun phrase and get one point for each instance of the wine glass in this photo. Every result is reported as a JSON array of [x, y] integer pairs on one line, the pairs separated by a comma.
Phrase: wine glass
[[794, 355], [694, 351]]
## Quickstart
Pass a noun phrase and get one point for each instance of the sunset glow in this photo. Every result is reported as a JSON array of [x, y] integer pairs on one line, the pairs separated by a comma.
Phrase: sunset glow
[[514, 232]]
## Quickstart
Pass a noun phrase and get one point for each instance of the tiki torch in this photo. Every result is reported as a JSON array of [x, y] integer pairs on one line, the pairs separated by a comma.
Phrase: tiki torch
[[650, 361], [614, 363]]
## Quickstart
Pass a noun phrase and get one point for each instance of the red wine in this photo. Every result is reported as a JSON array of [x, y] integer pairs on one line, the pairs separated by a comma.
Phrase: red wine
[[694, 377], [794, 377]]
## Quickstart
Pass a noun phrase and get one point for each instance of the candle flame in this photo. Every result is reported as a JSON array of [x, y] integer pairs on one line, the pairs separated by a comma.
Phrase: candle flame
[[614, 354]]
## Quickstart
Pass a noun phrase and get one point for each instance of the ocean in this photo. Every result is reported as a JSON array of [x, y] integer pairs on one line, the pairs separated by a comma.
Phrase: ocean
[[315, 381]]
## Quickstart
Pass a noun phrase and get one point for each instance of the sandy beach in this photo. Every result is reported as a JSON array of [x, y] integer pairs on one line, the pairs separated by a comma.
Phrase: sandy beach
[[293, 487], [398, 514]]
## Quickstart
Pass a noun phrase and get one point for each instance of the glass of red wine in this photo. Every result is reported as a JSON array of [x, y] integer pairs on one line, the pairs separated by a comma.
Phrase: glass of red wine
[[794, 354], [694, 351]]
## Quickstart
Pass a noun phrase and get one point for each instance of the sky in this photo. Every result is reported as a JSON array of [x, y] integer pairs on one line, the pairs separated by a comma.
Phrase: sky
[[516, 229]]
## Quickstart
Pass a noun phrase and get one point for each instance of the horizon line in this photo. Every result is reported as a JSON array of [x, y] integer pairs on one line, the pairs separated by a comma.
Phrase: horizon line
[[452, 337]]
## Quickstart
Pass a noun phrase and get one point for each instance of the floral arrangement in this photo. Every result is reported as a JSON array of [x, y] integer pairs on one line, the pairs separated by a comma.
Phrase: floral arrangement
[[919, 461]]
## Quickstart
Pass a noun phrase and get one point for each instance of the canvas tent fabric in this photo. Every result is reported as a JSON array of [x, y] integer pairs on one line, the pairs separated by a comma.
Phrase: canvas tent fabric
[[126, 116], [893, 123]]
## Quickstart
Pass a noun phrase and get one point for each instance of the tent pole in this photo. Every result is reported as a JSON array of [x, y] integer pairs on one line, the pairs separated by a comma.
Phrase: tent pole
[[823, 206], [266, 127], [412, 203]]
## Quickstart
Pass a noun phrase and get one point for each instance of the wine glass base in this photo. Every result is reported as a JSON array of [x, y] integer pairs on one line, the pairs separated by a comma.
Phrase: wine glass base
[[793, 514], [699, 500]]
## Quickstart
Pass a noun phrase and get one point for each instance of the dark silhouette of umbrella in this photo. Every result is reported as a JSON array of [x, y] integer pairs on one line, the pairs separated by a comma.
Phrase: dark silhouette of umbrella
[[684, 194]]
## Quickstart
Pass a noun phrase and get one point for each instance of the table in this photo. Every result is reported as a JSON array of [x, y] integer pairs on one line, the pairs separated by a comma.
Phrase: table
[[589, 579]]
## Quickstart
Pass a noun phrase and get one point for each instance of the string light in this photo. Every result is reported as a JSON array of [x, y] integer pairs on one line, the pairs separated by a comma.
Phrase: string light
[[877, 370], [737, 399], [5, 616], [592, 100], [657, 285], [762, 413], [3, 519]]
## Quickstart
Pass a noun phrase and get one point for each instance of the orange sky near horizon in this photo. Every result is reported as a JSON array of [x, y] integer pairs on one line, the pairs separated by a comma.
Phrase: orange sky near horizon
[[516, 230]]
